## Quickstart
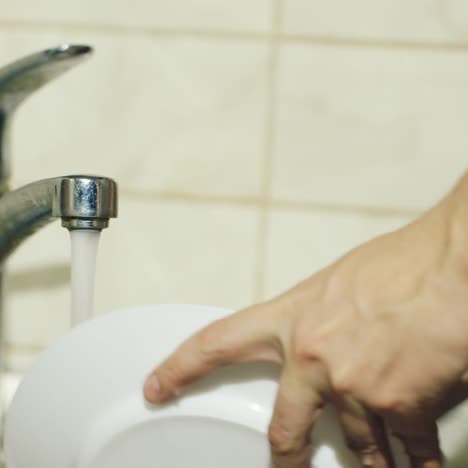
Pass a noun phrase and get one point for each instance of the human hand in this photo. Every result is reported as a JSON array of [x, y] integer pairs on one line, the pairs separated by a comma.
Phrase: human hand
[[381, 334]]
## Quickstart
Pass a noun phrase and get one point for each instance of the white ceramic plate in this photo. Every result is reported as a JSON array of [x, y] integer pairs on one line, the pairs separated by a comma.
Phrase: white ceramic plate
[[81, 405]]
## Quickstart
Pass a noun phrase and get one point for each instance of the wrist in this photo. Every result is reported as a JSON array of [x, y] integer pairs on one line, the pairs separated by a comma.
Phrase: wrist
[[452, 213]]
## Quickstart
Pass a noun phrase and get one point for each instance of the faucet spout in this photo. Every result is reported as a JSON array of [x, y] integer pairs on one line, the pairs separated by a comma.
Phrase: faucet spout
[[20, 79], [83, 202]]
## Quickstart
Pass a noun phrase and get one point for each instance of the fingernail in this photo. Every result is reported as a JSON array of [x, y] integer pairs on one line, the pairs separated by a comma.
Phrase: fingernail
[[153, 391], [367, 460], [154, 383]]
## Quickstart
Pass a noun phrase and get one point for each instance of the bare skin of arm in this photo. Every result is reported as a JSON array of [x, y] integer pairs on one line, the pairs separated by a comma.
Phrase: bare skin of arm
[[382, 334]]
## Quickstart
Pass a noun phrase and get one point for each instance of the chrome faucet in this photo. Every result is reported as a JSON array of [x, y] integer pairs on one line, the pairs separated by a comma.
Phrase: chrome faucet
[[82, 201]]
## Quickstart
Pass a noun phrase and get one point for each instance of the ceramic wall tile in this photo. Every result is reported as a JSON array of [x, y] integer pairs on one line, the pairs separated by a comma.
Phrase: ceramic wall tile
[[37, 290], [183, 112], [18, 360], [418, 20], [157, 114], [164, 252], [370, 127], [248, 15], [155, 252], [301, 243]]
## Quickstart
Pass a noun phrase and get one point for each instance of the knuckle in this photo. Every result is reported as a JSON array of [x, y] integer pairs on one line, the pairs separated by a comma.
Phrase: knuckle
[[171, 376], [282, 443], [360, 446], [211, 345], [304, 354], [342, 382], [387, 403], [360, 436], [304, 349]]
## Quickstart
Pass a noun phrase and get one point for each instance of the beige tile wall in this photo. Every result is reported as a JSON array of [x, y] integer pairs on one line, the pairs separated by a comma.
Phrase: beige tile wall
[[254, 141]]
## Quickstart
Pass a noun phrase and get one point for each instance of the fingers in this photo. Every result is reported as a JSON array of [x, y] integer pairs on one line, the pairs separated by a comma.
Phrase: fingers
[[246, 336], [364, 433], [420, 438], [296, 409], [455, 395]]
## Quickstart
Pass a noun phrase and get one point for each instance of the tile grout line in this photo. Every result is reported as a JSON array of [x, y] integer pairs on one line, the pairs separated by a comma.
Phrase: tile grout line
[[267, 175], [206, 34], [337, 208], [259, 201], [275, 203], [126, 30], [374, 43], [11, 347], [265, 202]]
